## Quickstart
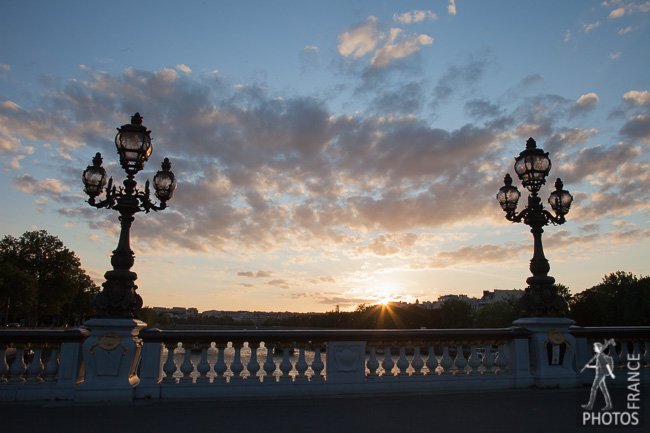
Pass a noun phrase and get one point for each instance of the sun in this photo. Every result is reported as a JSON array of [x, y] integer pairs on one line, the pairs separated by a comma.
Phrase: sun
[[384, 301]]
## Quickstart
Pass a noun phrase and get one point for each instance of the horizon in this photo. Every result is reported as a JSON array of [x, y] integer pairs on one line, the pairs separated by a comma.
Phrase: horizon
[[330, 153]]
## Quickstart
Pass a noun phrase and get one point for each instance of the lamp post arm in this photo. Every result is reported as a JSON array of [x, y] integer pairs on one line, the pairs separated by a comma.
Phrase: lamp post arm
[[555, 220], [517, 217], [109, 201], [145, 200]]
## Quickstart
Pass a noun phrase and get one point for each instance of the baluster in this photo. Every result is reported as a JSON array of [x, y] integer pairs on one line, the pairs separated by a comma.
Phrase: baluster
[[372, 364], [269, 364], [220, 366], [301, 365], [170, 366], [204, 366], [36, 367], [253, 365], [460, 362], [417, 363], [432, 362], [641, 351], [52, 367], [625, 354], [387, 363], [402, 363], [317, 365], [237, 366], [487, 360], [614, 354], [445, 362], [473, 360], [187, 367], [636, 352], [4, 367], [18, 368], [501, 361], [285, 365]]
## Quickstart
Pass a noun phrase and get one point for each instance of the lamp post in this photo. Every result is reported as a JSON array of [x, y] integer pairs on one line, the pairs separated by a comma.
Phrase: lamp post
[[118, 298], [532, 166]]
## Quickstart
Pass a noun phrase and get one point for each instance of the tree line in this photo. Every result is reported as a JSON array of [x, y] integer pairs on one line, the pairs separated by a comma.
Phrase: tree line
[[42, 283]]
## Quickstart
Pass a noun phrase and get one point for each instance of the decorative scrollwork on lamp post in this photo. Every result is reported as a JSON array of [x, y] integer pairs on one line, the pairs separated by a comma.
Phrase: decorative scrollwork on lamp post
[[532, 166], [118, 297]]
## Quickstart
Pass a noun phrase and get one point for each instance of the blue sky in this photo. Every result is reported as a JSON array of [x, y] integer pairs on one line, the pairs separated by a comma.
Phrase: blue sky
[[331, 153]]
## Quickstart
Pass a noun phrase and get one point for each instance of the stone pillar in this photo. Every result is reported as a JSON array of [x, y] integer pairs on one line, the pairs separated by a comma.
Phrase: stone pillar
[[552, 351], [346, 361], [111, 357]]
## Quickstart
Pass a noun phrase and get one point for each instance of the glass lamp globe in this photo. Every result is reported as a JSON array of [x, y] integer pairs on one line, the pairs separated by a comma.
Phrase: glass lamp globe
[[133, 143], [508, 195], [532, 166], [560, 199], [94, 177], [164, 182]]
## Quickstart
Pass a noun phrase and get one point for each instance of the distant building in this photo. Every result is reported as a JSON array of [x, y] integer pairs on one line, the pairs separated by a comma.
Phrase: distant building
[[500, 295]]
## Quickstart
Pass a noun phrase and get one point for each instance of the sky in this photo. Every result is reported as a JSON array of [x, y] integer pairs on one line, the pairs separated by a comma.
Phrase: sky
[[331, 153]]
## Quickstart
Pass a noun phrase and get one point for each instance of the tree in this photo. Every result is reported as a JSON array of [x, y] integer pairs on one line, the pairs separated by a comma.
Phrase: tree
[[17, 291], [456, 313], [63, 289], [622, 299], [499, 314]]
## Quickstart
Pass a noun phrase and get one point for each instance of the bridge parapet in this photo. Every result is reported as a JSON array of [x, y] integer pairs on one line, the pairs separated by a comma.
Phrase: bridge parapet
[[49, 364]]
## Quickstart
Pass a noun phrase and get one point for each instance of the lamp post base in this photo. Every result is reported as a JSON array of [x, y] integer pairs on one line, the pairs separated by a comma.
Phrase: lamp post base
[[552, 350], [111, 356]]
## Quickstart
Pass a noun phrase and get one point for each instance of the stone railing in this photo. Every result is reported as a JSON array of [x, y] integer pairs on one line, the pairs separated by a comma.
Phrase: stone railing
[[205, 363], [40, 364], [104, 364], [631, 349]]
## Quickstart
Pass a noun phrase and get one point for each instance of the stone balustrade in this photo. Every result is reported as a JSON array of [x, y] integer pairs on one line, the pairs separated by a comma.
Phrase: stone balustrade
[[205, 363], [52, 364], [40, 364]]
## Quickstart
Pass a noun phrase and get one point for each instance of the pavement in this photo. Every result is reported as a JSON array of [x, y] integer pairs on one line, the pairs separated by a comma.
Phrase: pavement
[[524, 410]]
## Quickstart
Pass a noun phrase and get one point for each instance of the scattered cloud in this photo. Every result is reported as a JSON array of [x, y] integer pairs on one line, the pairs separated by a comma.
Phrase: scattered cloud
[[398, 46], [30, 185], [370, 37], [451, 8], [589, 27], [256, 274], [637, 98], [184, 68], [415, 16], [617, 13]]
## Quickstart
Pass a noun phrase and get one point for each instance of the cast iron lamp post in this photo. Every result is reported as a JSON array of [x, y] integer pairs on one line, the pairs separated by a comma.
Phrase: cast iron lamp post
[[532, 166], [133, 141]]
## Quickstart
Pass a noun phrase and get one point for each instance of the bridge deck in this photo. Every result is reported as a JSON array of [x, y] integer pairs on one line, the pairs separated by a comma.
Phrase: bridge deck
[[524, 410]]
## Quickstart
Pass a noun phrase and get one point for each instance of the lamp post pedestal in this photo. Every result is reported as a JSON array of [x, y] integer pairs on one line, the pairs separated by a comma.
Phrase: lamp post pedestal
[[111, 355], [552, 350]]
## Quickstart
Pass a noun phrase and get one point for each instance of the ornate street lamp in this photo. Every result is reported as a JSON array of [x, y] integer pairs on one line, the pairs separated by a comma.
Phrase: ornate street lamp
[[133, 142], [532, 166]]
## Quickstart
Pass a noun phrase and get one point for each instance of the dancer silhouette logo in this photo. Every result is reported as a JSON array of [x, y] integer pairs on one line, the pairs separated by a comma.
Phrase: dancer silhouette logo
[[628, 414]]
